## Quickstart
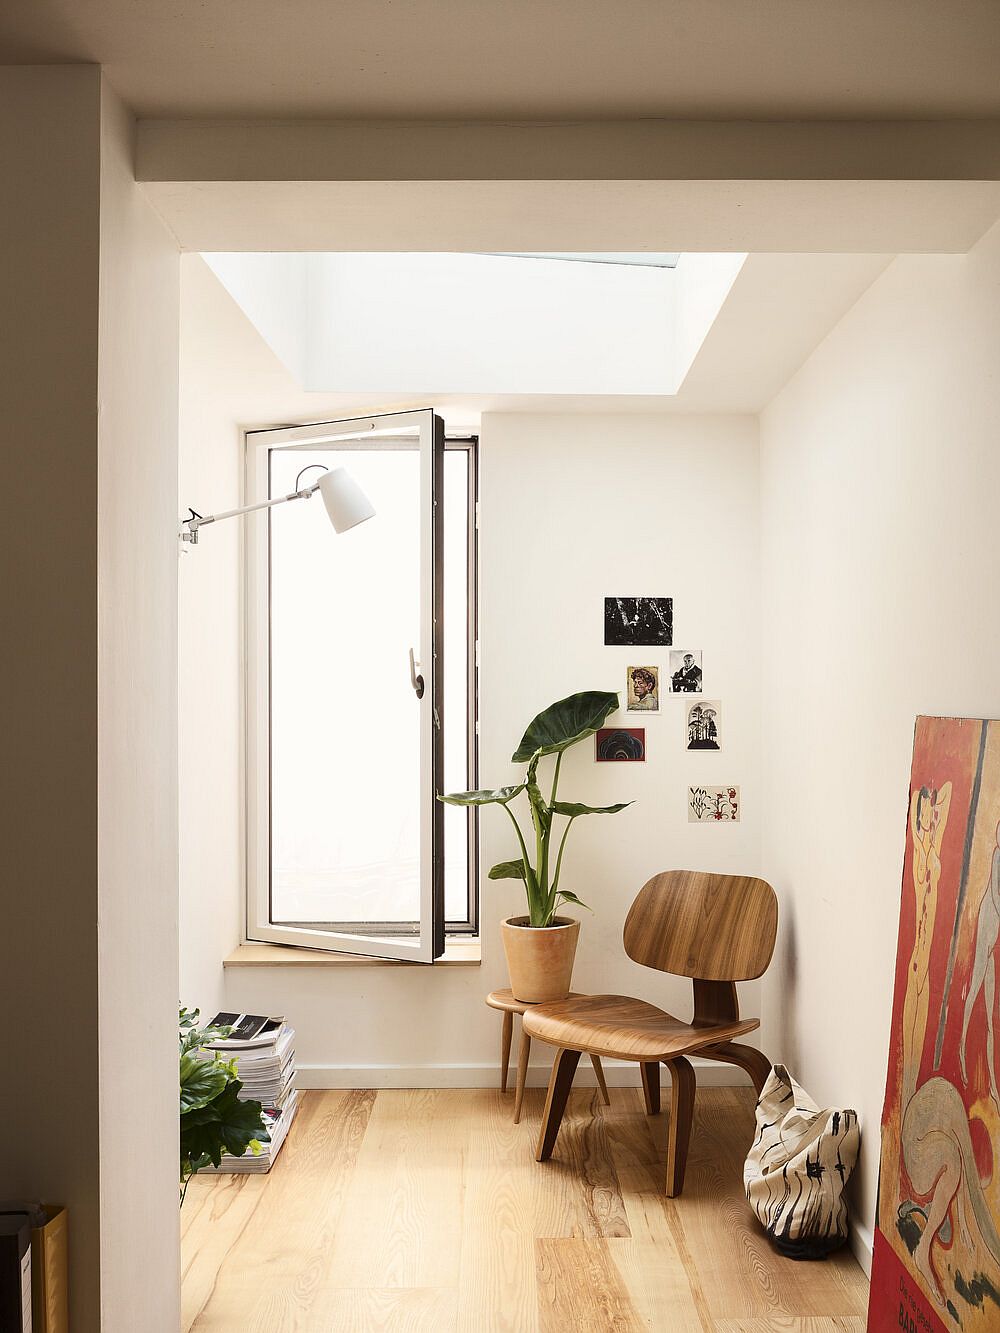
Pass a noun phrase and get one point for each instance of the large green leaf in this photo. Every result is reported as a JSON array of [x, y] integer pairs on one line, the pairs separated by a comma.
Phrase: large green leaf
[[227, 1125], [499, 796], [508, 870], [564, 723], [574, 808], [201, 1082]]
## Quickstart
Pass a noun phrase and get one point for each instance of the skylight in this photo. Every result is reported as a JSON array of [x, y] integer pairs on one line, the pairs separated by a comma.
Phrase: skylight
[[642, 260]]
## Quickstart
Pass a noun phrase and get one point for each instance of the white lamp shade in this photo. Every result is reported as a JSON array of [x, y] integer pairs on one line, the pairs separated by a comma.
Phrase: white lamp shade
[[345, 501]]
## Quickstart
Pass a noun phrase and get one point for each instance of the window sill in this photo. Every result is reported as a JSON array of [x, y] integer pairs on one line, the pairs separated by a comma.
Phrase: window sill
[[457, 953]]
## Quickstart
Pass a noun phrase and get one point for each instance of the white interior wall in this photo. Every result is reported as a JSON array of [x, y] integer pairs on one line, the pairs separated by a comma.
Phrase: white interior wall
[[880, 476]]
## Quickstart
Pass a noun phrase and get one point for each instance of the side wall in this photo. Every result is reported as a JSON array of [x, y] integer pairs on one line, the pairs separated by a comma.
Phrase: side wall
[[880, 476], [50, 148], [137, 746]]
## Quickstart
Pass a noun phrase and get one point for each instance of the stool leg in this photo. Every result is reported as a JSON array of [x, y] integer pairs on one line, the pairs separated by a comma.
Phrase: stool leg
[[522, 1071], [595, 1060], [506, 1033]]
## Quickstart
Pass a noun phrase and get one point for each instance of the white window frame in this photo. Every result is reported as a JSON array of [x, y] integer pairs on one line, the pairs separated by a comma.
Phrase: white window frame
[[427, 430]]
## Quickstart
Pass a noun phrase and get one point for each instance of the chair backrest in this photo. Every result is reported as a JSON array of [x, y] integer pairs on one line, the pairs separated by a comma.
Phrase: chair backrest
[[695, 924]]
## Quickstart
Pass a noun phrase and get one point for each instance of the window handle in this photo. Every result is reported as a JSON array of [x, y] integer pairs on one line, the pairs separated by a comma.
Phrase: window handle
[[416, 681]]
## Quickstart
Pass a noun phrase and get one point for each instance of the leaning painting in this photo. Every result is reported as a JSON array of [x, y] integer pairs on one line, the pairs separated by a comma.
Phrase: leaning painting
[[936, 1262]]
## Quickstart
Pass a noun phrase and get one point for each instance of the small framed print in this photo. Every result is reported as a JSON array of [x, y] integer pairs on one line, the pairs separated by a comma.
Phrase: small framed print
[[642, 689], [685, 671], [713, 805], [645, 621], [620, 745], [703, 725]]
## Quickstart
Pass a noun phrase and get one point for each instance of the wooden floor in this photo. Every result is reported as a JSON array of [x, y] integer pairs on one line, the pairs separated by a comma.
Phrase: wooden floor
[[425, 1210]]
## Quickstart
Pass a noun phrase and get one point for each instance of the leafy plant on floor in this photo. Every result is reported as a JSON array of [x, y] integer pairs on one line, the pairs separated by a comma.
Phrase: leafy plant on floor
[[213, 1119], [552, 732]]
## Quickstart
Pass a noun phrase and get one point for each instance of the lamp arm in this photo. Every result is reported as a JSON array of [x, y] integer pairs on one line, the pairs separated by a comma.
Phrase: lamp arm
[[190, 526]]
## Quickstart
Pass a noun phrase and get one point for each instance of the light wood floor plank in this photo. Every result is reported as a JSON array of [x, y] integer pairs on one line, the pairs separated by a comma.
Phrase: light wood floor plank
[[406, 1200], [580, 1288], [387, 1310], [836, 1324]]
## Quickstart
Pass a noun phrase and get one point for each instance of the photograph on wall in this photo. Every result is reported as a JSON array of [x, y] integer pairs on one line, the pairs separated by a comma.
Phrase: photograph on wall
[[642, 689], [621, 745], [703, 725], [685, 671], [638, 621], [713, 805], [936, 1254]]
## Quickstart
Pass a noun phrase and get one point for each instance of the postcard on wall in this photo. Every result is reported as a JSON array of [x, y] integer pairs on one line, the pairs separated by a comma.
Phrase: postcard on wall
[[703, 725], [713, 805], [685, 671], [645, 621], [642, 689], [936, 1253], [623, 745]]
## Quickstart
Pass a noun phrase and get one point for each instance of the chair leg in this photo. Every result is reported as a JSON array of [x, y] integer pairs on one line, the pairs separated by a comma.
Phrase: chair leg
[[755, 1062], [506, 1032], [682, 1084], [651, 1086], [522, 1074], [563, 1069], [595, 1060]]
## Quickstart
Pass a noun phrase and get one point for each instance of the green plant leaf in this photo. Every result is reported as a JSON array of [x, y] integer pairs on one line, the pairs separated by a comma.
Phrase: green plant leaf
[[499, 796], [507, 870], [201, 1082], [227, 1125], [574, 808], [564, 723], [566, 896]]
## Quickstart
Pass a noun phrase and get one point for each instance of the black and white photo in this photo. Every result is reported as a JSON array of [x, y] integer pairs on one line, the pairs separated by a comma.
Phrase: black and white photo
[[632, 621], [685, 671]]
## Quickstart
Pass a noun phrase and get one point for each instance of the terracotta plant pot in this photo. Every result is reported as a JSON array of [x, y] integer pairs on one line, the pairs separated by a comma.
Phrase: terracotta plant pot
[[540, 958]]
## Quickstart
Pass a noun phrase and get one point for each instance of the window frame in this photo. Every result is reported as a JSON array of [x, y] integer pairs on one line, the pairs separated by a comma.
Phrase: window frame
[[379, 939]]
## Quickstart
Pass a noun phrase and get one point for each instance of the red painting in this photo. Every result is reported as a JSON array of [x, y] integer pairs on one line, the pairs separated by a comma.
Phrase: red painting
[[936, 1260]]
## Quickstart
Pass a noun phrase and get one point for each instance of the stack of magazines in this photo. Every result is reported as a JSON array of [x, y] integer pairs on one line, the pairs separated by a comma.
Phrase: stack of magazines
[[264, 1050]]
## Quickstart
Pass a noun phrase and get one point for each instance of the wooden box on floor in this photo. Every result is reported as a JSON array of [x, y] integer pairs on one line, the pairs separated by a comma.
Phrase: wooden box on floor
[[49, 1290]]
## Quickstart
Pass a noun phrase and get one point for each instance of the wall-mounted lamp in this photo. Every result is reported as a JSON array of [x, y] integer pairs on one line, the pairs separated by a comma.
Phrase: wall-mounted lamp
[[346, 503]]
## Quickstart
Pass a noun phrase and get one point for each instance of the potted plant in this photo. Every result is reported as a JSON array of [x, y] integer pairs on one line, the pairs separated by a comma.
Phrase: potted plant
[[541, 946], [213, 1118]]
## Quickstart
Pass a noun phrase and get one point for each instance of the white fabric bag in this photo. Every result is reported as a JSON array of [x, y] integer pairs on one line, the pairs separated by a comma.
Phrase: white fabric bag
[[795, 1173]]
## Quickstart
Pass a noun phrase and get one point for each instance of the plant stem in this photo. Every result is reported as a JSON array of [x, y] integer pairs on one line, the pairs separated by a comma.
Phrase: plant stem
[[555, 778], [529, 878], [562, 844]]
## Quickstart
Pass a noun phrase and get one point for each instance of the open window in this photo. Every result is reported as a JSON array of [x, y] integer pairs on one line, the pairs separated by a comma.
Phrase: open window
[[361, 691]]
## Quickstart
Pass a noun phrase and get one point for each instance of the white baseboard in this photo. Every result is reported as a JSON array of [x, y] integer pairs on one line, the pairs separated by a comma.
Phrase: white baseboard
[[619, 1074], [860, 1240]]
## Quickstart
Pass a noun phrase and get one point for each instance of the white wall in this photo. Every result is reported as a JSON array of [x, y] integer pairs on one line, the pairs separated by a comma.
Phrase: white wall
[[137, 746], [880, 478], [573, 509]]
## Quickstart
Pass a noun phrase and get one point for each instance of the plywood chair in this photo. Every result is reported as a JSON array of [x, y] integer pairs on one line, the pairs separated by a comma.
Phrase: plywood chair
[[715, 929]]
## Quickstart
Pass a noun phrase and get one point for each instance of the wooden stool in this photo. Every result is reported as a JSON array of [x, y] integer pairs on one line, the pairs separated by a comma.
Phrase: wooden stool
[[508, 1006]]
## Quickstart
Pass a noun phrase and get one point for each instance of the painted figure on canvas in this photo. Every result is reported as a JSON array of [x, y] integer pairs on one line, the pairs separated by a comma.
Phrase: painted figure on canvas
[[936, 1263]]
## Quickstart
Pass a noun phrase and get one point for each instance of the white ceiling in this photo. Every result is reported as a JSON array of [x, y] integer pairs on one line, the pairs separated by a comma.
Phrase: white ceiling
[[757, 59]]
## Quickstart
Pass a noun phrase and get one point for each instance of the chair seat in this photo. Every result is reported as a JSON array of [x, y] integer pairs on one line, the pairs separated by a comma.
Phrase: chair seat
[[625, 1029]]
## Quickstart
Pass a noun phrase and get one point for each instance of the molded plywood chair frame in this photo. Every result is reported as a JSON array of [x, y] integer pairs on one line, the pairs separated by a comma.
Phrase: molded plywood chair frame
[[715, 929]]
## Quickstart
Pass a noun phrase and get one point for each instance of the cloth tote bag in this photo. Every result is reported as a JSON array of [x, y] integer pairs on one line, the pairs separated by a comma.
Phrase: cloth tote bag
[[801, 1159]]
